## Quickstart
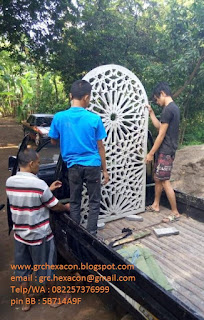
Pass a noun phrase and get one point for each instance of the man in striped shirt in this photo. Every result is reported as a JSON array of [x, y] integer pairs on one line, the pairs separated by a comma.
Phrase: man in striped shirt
[[30, 199]]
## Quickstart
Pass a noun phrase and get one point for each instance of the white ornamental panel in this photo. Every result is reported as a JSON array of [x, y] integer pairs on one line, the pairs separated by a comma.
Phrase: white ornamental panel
[[119, 98]]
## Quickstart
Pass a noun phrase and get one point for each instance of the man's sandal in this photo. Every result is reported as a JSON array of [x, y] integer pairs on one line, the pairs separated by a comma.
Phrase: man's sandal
[[26, 307], [151, 209], [171, 218]]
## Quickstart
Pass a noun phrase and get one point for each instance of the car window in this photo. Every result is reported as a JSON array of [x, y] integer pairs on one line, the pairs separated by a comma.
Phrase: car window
[[30, 119], [44, 121], [49, 154]]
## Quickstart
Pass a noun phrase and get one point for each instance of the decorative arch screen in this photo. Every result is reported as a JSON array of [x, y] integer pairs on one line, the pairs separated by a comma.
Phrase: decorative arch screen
[[119, 98]]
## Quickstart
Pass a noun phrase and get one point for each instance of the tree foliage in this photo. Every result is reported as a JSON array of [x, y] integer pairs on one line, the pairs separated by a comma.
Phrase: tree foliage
[[24, 90], [32, 25], [156, 39]]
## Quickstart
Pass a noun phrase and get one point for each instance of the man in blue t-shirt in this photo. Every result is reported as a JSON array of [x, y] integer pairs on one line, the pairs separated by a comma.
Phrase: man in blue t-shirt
[[80, 133], [164, 147]]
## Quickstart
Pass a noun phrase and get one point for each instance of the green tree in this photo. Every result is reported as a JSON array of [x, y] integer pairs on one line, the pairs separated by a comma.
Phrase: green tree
[[158, 40]]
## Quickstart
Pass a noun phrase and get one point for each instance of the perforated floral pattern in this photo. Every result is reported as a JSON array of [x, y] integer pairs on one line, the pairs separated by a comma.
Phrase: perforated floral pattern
[[119, 98]]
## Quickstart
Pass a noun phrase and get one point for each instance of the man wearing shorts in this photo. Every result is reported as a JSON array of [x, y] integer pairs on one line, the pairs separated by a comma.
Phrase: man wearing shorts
[[164, 147], [30, 199]]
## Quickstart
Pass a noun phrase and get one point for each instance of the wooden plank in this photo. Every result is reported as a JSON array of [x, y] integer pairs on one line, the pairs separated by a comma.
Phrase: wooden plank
[[183, 284], [180, 266], [180, 292], [181, 257], [172, 248]]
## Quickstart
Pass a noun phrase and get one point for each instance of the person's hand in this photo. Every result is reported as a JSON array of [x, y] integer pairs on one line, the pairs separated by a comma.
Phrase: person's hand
[[149, 158], [148, 106], [105, 176], [55, 185]]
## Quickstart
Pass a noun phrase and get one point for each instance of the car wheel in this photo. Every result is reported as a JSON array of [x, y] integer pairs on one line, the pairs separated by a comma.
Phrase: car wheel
[[37, 139]]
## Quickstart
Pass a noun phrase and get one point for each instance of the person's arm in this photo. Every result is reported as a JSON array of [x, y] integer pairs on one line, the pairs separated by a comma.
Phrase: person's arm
[[50, 201], [61, 207], [155, 121], [158, 141], [55, 185], [54, 132], [53, 141], [102, 153]]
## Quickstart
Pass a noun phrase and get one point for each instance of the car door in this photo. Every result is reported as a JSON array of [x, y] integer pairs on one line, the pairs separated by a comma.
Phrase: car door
[[49, 156], [13, 160], [53, 168], [13, 167]]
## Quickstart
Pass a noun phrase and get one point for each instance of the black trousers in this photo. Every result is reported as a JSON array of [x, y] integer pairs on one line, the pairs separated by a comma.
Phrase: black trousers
[[92, 177]]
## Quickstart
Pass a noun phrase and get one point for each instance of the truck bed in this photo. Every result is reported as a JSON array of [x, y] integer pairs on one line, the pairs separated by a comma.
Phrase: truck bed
[[181, 257]]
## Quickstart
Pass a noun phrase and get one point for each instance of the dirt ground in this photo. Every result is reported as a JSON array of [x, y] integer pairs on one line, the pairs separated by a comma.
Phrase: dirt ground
[[188, 174], [188, 170], [91, 306]]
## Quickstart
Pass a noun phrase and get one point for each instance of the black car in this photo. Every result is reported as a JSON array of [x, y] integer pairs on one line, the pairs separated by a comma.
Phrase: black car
[[37, 126]]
